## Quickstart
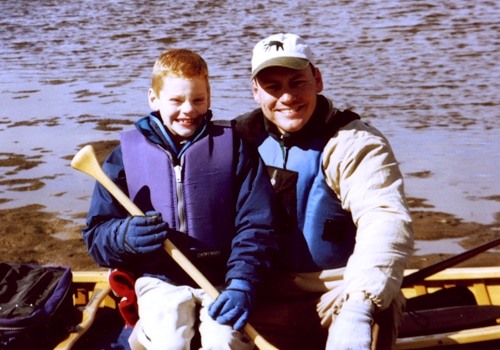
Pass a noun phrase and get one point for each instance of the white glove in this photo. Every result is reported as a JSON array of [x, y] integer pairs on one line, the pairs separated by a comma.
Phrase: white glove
[[352, 329]]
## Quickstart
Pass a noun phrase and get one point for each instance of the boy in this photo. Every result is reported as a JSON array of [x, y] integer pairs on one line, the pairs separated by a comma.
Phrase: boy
[[202, 188]]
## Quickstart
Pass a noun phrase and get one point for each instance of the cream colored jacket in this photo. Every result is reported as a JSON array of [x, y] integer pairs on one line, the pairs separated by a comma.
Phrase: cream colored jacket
[[361, 168]]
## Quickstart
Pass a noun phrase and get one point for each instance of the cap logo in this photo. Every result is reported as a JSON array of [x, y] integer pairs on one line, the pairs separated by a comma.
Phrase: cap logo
[[278, 44], [281, 50]]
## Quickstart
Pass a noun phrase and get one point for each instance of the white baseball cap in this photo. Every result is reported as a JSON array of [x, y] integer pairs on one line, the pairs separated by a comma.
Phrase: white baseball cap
[[283, 50]]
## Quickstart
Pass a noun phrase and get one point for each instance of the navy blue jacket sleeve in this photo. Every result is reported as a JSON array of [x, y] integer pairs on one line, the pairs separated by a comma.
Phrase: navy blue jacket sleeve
[[106, 215], [256, 243]]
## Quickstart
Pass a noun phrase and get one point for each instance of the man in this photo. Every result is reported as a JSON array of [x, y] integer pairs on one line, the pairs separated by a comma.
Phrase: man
[[347, 233]]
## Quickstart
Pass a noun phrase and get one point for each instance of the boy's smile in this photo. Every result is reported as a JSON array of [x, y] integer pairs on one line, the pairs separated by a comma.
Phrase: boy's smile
[[182, 104]]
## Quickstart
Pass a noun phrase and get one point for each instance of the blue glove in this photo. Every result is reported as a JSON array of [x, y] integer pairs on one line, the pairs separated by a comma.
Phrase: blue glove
[[234, 304], [352, 329], [142, 234]]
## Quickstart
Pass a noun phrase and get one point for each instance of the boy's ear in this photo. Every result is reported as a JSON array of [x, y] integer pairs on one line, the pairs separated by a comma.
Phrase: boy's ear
[[153, 100]]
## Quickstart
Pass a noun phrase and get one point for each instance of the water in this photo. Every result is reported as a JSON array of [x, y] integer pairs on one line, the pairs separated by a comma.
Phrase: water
[[425, 73]]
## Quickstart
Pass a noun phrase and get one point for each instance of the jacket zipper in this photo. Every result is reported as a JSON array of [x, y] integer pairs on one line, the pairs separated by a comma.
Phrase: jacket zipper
[[180, 198], [285, 157], [177, 164], [284, 151]]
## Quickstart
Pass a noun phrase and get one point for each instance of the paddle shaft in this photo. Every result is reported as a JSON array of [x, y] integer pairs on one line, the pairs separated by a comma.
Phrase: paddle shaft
[[101, 290], [86, 162], [422, 274]]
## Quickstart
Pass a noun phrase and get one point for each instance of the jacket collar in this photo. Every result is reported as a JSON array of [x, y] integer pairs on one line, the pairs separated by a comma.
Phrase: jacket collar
[[315, 127], [153, 129]]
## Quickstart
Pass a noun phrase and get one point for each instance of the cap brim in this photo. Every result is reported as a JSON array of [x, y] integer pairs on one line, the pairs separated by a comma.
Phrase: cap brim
[[287, 62]]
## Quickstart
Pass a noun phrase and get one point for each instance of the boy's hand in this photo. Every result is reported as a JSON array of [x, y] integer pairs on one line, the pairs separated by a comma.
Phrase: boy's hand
[[142, 234], [234, 304]]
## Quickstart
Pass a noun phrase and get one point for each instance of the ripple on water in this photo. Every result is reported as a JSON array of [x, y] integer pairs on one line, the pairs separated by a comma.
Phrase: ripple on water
[[424, 73]]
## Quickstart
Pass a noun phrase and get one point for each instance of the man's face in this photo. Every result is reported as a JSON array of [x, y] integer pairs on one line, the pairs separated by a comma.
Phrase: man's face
[[287, 96], [182, 104]]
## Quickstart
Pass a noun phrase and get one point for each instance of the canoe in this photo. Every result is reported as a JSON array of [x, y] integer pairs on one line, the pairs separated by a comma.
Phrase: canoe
[[456, 307], [93, 296], [453, 308]]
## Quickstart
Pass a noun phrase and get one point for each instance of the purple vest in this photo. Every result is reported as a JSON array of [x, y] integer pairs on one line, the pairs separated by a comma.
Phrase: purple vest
[[202, 195]]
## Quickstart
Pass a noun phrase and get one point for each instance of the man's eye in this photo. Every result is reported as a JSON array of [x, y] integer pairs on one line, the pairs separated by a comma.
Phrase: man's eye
[[273, 87], [298, 83]]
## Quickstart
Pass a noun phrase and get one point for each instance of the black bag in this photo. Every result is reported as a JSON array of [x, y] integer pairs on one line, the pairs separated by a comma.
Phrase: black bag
[[36, 306]]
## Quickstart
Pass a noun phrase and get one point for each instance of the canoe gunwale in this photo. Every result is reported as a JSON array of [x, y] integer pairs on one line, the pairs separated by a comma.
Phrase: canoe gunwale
[[475, 278], [484, 282]]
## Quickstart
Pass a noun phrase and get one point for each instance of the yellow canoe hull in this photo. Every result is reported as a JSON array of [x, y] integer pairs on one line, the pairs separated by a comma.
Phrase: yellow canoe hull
[[483, 282], [93, 292]]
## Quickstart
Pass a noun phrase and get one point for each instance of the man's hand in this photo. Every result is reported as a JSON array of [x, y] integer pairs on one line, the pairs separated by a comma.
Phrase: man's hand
[[352, 329], [142, 234], [234, 304]]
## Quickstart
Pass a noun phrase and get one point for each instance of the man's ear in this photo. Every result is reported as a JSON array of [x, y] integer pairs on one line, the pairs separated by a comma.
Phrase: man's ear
[[255, 91], [153, 100], [319, 80]]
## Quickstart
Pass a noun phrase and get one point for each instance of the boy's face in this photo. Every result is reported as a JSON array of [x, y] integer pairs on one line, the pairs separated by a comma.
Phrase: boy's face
[[182, 104], [287, 96]]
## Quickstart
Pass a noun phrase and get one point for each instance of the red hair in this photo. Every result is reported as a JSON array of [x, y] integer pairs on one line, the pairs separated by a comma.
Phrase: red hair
[[181, 63]]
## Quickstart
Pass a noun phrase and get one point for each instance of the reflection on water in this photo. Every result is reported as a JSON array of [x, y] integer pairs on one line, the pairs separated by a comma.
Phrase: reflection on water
[[426, 74], [449, 245]]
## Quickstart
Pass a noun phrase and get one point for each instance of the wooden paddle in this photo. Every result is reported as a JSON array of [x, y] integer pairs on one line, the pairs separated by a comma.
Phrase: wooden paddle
[[85, 161], [101, 290], [422, 274]]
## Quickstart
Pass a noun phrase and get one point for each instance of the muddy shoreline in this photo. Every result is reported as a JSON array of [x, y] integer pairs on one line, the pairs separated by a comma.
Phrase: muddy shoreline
[[29, 234]]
